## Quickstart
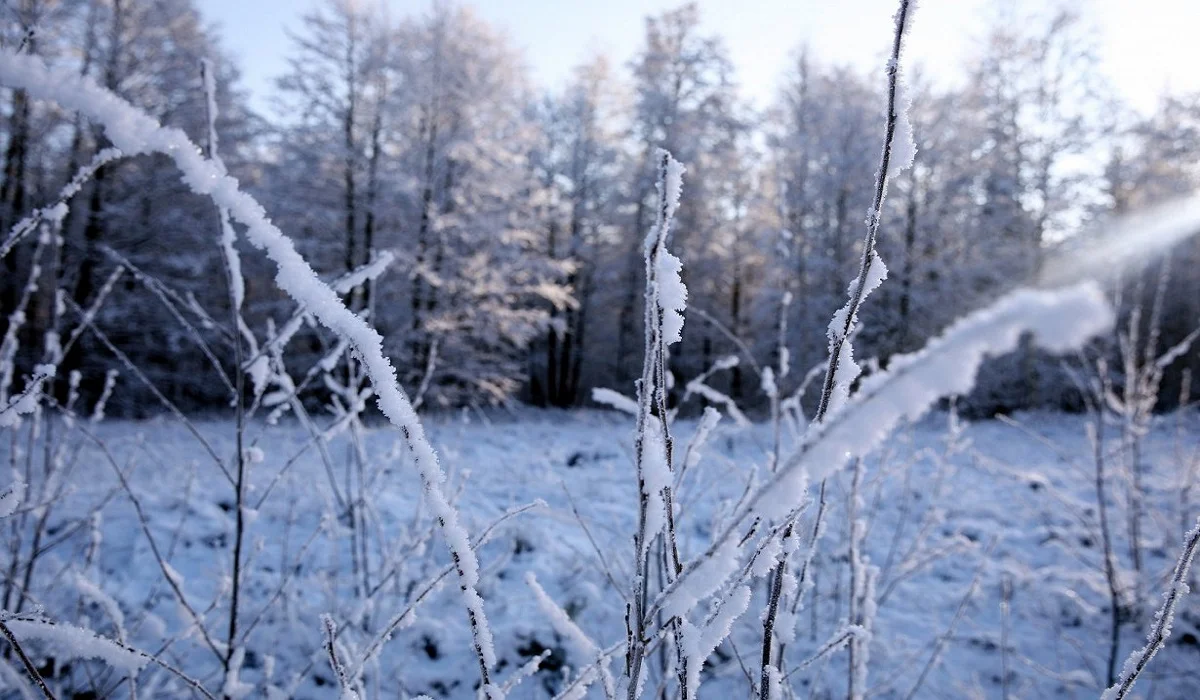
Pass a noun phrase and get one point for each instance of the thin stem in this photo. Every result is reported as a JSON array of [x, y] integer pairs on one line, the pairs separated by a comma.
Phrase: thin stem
[[652, 400], [874, 215], [29, 667], [235, 287], [840, 338], [1161, 629]]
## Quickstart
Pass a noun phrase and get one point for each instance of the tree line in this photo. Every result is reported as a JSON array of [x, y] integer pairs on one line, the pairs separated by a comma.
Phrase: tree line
[[516, 217]]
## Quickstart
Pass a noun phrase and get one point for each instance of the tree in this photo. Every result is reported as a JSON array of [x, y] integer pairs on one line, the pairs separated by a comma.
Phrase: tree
[[684, 101], [824, 153], [579, 162], [334, 99], [149, 53]]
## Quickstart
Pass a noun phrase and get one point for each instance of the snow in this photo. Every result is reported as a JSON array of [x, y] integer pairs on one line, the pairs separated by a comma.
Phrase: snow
[[367, 273], [1131, 241], [91, 591], [563, 625], [259, 370], [110, 383], [575, 579], [708, 422], [25, 402], [716, 397], [768, 385], [699, 582], [982, 485], [674, 183], [656, 476], [667, 290], [70, 642], [233, 687], [700, 643], [560, 620]]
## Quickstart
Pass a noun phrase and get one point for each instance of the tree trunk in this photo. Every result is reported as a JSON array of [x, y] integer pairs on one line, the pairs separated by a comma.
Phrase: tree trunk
[[552, 386], [418, 344], [348, 175], [369, 225], [904, 332], [12, 190]]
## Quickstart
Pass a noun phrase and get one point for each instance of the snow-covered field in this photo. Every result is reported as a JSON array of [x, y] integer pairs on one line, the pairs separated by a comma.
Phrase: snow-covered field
[[990, 570]]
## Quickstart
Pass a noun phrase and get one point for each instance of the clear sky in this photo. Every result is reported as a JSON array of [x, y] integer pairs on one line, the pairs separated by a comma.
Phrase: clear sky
[[1147, 46]]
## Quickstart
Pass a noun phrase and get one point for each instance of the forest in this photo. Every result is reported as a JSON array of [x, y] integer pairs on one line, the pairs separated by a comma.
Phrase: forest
[[514, 218], [427, 381]]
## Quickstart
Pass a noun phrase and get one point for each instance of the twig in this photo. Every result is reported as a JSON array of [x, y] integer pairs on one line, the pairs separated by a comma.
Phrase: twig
[[944, 637], [29, 667], [50, 212], [335, 663], [1161, 629], [595, 547], [427, 378], [235, 288], [652, 406], [164, 567], [162, 399], [839, 338]]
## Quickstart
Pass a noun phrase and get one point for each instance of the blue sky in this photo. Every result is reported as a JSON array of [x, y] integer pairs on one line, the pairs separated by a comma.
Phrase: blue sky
[[1148, 46]]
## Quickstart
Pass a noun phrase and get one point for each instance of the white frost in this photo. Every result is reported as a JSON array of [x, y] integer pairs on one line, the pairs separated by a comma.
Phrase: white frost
[[656, 476], [10, 500], [672, 296], [566, 627], [1060, 320], [707, 576], [841, 328], [613, 399], [904, 146], [699, 643], [69, 642]]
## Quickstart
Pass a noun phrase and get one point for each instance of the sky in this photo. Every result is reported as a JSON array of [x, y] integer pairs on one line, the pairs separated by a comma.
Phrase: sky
[[1147, 47]]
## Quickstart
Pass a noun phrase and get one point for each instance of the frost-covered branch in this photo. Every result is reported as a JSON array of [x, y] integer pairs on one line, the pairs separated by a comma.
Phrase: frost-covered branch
[[566, 627], [1177, 587], [70, 642], [54, 213], [29, 667], [1059, 320], [841, 370], [346, 691], [135, 132], [665, 301]]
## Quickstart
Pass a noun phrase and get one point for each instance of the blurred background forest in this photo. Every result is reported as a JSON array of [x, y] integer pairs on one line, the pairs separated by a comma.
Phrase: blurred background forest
[[516, 216]]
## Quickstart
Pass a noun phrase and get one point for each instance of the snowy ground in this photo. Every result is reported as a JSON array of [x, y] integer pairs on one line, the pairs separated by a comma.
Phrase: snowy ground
[[954, 525]]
